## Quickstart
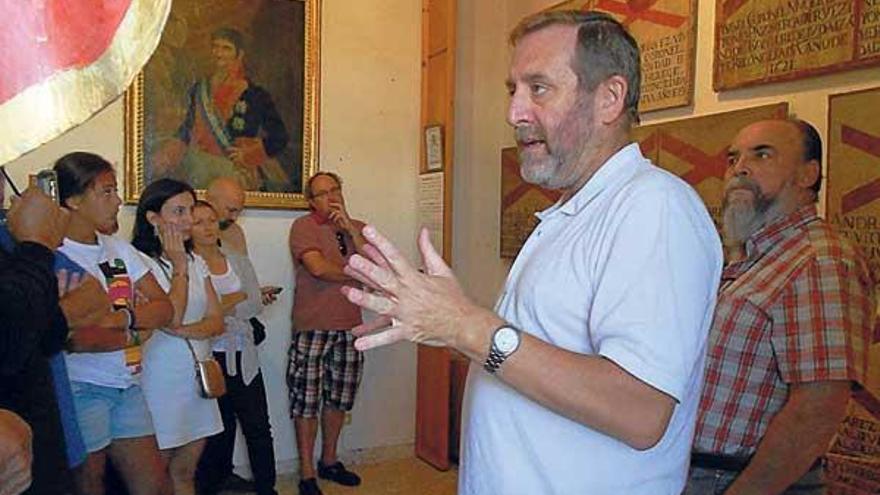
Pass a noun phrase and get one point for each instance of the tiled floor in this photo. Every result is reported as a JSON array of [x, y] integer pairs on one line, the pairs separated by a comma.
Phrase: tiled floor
[[398, 477]]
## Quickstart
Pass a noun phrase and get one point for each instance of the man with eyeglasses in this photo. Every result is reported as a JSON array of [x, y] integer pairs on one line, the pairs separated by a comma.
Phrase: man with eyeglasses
[[325, 369]]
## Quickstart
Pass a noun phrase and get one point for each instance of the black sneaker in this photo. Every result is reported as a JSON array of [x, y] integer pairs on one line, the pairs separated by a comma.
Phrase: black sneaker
[[309, 486], [337, 472], [235, 483]]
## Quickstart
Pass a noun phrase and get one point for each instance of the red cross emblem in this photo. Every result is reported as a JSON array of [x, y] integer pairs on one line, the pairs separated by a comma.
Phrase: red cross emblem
[[703, 165], [730, 7], [867, 193], [630, 11], [510, 163]]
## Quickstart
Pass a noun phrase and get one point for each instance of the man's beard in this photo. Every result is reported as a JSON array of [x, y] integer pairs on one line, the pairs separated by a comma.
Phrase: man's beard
[[742, 218], [225, 224], [554, 170]]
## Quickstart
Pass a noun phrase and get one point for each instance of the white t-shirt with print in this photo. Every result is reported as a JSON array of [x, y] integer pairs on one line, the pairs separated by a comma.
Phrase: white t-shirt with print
[[117, 265]]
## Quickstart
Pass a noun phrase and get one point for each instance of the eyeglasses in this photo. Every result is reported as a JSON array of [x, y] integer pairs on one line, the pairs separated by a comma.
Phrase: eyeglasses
[[321, 194], [340, 242]]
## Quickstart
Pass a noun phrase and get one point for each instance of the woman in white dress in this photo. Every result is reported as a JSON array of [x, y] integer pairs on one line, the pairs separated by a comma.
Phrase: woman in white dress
[[181, 416]]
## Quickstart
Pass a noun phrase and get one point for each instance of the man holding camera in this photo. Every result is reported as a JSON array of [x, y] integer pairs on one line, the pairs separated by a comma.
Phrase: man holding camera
[[33, 327]]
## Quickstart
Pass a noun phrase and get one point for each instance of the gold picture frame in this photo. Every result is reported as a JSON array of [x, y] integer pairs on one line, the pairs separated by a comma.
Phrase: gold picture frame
[[181, 122]]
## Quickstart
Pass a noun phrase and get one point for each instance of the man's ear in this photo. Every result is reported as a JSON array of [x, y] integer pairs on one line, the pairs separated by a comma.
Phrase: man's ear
[[610, 99], [808, 174]]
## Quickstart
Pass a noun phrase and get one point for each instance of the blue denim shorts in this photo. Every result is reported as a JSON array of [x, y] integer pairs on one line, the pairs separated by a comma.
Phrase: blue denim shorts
[[107, 413]]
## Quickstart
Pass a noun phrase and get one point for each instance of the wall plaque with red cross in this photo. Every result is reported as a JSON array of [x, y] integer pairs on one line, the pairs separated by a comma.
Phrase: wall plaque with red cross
[[666, 32], [686, 147], [853, 206], [762, 41]]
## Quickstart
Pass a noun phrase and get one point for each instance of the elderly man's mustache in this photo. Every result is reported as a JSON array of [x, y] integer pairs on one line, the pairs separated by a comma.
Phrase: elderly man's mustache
[[741, 182], [527, 134]]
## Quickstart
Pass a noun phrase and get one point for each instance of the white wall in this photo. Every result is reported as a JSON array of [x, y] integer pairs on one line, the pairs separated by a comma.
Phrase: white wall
[[481, 132], [369, 134]]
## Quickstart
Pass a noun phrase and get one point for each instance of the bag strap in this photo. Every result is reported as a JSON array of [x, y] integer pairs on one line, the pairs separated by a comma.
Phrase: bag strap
[[192, 351], [188, 343]]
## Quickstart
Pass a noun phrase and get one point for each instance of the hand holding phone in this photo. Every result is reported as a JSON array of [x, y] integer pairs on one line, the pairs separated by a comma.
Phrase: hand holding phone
[[270, 294]]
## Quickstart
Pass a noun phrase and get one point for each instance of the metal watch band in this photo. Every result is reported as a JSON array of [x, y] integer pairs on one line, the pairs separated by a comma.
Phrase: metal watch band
[[493, 360], [496, 356]]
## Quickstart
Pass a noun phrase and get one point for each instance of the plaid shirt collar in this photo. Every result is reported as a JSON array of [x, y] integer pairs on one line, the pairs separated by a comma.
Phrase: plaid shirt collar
[[769, 236]]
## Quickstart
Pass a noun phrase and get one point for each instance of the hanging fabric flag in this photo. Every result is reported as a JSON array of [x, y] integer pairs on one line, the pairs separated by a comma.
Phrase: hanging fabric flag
[[64, 60]]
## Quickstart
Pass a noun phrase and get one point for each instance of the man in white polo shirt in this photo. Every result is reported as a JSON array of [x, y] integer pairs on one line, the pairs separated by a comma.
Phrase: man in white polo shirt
[[589, 370]]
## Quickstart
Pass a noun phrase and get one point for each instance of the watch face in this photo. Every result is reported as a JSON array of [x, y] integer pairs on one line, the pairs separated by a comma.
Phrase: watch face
[[506, 340]]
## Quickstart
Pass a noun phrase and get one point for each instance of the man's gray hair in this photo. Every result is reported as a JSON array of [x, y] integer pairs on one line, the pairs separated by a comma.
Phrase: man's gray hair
[[604, 49]]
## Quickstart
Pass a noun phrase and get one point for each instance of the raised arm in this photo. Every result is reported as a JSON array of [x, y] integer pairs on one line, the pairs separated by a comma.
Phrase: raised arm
[[598, 390]]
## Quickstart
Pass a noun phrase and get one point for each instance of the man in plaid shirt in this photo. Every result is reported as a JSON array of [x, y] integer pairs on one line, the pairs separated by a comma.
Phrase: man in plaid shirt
[[792, 325]]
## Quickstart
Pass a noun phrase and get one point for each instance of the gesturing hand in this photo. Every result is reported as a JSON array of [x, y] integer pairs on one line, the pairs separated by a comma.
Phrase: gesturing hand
[[427, 308]]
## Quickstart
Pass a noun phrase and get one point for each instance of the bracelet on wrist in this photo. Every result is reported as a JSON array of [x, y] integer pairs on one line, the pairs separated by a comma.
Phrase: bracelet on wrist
[[131, 323], [134, 339]]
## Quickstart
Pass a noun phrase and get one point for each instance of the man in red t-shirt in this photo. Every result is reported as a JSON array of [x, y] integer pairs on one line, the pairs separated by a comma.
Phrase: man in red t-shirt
[[325, 369]]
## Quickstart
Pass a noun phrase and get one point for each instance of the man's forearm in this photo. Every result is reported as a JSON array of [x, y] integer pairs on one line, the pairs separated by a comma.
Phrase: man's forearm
[[97, 339], [795, 438], [207, 327], [86, 304], [588, 389]]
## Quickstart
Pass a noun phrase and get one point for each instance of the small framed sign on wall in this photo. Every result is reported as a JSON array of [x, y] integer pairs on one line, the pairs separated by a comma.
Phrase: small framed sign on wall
[[434, 147]]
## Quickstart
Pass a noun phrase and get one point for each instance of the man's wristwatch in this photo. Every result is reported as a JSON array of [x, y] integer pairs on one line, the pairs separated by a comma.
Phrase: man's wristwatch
[[505, 341]]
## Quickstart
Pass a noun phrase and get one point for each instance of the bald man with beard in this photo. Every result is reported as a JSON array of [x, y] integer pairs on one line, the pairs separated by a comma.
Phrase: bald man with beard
[[790, 337], [227, 197]]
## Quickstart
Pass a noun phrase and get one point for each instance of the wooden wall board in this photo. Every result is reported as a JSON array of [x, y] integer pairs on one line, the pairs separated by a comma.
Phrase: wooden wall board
[[666, 32], [519, 202], [853, 206], [762, 41]]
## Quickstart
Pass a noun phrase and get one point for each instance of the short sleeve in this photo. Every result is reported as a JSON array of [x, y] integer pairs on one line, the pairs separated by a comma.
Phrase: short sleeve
[[63, 262], [824, 334], [133, 261], [303, 238], [658, 277]]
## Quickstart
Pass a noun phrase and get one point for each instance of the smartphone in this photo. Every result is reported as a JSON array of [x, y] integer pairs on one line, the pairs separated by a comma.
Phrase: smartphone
[[47, 181]]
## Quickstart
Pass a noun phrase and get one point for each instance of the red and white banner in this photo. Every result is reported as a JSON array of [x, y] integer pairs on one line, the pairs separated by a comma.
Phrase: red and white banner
[[64, 60]]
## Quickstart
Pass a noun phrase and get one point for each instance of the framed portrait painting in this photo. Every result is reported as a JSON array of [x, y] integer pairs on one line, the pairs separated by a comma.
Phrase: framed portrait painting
[[232, 90]]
